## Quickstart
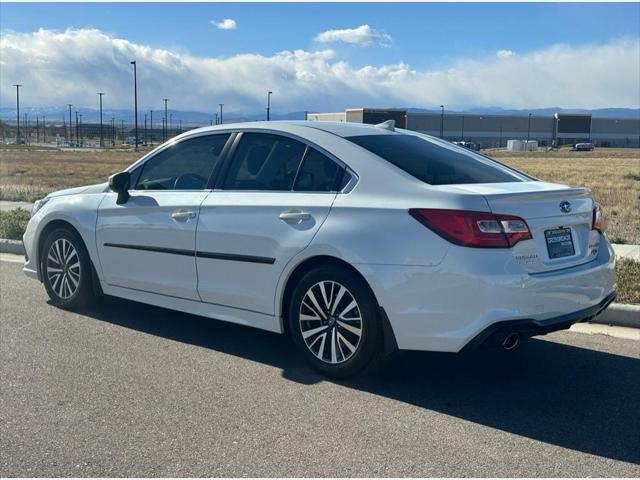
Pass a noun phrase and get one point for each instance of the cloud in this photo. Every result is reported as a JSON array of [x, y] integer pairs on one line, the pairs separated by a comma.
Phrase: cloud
[[504, 54], [70, 66], [362, 35], [226, 24]]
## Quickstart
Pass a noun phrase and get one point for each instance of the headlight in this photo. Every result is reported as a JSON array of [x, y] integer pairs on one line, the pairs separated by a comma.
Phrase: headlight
[[38, 204]]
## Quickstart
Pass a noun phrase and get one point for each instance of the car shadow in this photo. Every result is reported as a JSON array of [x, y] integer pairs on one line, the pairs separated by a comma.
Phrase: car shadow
[[568, 396]]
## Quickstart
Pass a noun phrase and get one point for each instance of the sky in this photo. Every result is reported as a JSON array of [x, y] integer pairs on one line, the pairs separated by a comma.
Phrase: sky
[[322, 57]]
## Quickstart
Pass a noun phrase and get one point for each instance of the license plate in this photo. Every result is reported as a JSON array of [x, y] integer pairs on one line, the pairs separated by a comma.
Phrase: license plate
[[559, 243]]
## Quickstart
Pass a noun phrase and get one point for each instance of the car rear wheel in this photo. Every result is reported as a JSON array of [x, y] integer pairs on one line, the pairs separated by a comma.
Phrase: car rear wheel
[[66, 270], [334, 322]]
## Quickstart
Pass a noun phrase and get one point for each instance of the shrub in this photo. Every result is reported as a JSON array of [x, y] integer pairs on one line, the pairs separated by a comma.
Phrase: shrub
[[13, 223]]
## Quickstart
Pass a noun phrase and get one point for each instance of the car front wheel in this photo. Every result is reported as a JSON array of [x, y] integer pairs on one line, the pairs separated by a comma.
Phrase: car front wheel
[[66, 269], [334, 322]]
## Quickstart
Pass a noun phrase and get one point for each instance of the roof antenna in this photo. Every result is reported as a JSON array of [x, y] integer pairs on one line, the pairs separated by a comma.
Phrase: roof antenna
[[387, 125]]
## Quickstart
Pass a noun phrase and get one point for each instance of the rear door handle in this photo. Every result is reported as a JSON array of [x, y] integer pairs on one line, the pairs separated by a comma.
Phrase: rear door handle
[[183, 215], [294, 216]]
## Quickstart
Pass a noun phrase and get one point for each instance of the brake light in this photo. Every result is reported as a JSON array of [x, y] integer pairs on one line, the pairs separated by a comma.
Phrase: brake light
[[474, 229], [598, 222]]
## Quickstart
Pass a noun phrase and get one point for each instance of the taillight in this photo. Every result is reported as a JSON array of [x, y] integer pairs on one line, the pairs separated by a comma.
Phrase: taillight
[[598, 222], [474, 229]]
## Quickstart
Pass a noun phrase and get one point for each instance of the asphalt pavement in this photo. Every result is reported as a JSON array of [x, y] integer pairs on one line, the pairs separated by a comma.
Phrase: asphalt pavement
[[126, 389]]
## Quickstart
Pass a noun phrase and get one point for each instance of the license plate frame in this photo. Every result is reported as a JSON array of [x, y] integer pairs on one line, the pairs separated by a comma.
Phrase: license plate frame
[[559, 243]]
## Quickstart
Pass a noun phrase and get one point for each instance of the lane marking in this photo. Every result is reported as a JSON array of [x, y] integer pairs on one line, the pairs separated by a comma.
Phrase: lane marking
[[626, 333], [10, 257]]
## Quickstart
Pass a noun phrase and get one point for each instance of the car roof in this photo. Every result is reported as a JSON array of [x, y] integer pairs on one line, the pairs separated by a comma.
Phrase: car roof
[[341, 129]]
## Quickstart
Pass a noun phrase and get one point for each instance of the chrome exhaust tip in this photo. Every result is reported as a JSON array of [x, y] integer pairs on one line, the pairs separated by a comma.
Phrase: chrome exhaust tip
[[511, 341]]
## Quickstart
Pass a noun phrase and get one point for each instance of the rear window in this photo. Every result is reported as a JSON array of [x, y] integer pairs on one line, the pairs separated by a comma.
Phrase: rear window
[[437, 164]]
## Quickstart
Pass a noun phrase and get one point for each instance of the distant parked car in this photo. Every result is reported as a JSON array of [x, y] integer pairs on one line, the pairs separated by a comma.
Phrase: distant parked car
[[583, 147], [469, 145]]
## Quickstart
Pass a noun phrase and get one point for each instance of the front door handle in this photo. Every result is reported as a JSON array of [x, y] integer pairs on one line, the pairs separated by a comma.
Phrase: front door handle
[[294, 216], [183, 215]]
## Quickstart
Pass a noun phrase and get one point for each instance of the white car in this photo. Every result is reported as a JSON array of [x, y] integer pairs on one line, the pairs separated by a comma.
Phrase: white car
[[355, 240]]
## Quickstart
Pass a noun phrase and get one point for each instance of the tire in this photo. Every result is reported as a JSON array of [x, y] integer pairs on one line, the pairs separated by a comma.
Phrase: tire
[[67, 272], [336, 337]]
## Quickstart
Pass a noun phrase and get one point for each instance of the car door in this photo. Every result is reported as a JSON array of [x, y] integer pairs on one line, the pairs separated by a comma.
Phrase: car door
[[148, 243], [276, 194]]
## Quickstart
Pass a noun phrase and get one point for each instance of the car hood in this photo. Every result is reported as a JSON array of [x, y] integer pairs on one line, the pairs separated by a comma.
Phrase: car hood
[[97, 188]]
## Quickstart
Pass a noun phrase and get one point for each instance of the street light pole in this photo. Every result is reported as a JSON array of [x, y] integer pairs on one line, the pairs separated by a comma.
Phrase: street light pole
[[70, 124], [221, 113], [101, 135], [135, 100], [164, 124], [268, 105], [18, 85], [442, 121]]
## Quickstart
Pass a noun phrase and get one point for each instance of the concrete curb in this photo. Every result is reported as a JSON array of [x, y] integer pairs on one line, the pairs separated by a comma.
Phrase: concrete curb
[[11, 246], [620, 315]]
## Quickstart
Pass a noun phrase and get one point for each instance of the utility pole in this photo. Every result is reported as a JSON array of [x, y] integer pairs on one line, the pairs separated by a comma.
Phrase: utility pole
[[135, 100], [151, 111], [529, 130], [180, 126], [81, 134], [122, 131], [164, 124], [145, 129], [216, 118], [442, 121], [463, 128], [77, 130], [113, 132], [37, 129], [70, 125], [18, 85], [101, 135], [221, 113], [44, 130], [269, 106]]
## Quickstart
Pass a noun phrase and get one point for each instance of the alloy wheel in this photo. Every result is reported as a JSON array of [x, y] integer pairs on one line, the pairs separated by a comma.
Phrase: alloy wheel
[[63, 268], [330, 322]]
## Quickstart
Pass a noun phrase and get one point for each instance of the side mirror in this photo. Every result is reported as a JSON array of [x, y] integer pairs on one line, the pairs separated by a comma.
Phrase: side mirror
[[120, 183]]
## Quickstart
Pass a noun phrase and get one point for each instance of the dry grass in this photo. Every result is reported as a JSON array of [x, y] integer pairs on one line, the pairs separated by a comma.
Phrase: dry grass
[[627, 275], [30, 174], [613, 174]]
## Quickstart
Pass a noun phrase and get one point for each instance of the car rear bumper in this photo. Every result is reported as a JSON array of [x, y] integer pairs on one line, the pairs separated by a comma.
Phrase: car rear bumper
[[529, 327], [446, 307]]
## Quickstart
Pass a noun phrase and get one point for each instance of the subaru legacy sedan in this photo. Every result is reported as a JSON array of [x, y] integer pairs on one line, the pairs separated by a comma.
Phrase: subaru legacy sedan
[[354, 240]]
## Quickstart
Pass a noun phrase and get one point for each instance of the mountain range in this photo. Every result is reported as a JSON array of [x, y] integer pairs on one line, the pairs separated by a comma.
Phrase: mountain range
[[193, 118]]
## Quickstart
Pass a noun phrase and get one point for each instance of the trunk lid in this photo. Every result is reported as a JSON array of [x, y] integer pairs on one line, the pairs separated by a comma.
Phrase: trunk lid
[[559, 218]]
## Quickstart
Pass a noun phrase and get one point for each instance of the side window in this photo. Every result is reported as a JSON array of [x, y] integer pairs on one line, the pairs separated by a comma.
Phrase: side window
[[318, 173], [187, 165], [264, 162]]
